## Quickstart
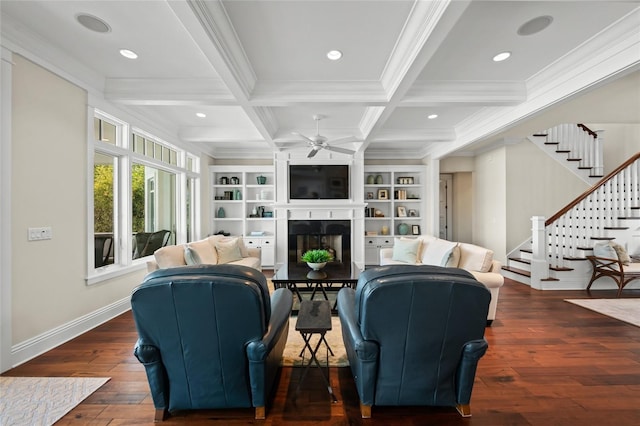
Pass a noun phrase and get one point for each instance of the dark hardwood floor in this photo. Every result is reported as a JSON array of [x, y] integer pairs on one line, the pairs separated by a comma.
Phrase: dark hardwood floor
[[549, 363]]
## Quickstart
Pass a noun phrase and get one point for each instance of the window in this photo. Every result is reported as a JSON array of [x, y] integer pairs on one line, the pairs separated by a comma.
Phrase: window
[[138, 184], [103, 209]]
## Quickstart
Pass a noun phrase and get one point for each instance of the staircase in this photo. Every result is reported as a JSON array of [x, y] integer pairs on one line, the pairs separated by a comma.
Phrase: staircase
[[555, 257], [575, 147]]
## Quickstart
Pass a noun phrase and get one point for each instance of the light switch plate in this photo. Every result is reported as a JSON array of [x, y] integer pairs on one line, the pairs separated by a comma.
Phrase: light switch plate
[[37, 234]]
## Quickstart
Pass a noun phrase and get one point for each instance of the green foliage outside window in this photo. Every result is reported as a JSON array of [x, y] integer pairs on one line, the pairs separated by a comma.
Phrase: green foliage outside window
[[103, 197]]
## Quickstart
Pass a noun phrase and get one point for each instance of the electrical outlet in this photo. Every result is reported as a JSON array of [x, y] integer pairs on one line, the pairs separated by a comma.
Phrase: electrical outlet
[[38, 234]]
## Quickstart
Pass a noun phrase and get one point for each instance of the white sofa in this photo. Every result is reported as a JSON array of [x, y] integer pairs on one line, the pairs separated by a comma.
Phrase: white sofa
[[213, 250], [430, 250]]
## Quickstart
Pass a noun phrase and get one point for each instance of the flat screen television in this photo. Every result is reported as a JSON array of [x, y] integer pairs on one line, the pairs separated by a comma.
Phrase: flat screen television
[[320, 182]]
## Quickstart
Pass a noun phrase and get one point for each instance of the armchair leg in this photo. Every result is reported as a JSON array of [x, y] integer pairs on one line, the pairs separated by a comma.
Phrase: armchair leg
[[161, 414], [365, 411], [260, 413], [464, 410]]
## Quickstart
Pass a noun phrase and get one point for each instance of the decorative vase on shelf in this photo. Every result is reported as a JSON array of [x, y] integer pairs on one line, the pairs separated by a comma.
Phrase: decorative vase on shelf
[[378, 179], [221, 212], [403, 229], [371, 179], [316, 266], [261, 180]]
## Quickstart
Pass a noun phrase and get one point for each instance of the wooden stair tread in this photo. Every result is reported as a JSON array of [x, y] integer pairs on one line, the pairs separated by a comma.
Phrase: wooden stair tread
[[560, 268], [550, 279], [614, 228], [574, 159], [629, 218], [521, 260], [562, 151], [517, 271], [602, 238]]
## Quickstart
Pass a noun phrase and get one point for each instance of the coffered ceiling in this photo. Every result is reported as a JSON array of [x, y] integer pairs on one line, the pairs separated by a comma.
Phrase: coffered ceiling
[[258, 69]]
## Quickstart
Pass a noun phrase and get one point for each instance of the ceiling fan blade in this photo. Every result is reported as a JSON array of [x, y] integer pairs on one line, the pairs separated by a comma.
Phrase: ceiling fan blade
[[338, 149], [346, 139], [304, 137], [313, 152]]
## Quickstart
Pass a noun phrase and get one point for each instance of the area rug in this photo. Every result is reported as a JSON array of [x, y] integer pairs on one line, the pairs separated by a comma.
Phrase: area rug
[[291, 355], [627, 310], [42, 401]]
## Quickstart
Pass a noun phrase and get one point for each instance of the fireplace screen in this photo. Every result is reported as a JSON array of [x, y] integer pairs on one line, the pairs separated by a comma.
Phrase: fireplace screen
[[331, 235]]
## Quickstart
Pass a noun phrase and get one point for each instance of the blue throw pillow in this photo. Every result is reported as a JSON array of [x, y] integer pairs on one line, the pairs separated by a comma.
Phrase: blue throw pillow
[[191, 257], [605, 250], [406, 250]]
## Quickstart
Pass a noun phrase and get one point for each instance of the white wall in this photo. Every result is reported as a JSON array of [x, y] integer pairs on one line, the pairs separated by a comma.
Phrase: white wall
[[463, 207], [536, 185], [49, 188], [489, 216], [621, 141]]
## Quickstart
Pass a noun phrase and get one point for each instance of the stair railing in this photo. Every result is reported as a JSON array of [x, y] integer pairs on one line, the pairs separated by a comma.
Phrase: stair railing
[[580, 143], [573, 228]]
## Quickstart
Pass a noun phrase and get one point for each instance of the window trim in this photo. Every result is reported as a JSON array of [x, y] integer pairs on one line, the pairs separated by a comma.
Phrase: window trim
[[122, 151]]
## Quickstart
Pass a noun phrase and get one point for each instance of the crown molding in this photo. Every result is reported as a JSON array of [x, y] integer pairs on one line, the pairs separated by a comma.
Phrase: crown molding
[[472, 93], [23, 41], [287, 93], [418, 28], [164, 91], [615, 48], [216, 38], [219, 134], [369, 120], [601, 59], [415, 135]]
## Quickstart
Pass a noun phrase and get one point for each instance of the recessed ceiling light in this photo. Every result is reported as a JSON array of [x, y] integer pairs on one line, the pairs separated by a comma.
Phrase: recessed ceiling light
[[334, 55], [501, 56], [201, 114], [535, 25], [128, 53], [432, 116], [93, 23]]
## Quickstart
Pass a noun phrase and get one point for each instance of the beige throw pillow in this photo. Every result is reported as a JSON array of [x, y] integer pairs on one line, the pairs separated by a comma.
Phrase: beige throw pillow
[[228, 251], [206, 251], [622, 254], [438, 252], [475, 258], [215, 239], [170, 256]]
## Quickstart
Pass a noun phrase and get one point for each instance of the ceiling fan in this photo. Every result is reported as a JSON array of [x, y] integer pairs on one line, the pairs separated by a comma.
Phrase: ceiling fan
[[318, 142]]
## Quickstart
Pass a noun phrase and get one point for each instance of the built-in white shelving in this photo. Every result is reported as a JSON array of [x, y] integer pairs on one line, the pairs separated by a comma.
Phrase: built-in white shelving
[[241, 204]]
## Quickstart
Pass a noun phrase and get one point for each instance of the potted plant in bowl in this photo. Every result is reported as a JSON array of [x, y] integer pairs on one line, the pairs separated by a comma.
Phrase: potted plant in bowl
[[317, 259]]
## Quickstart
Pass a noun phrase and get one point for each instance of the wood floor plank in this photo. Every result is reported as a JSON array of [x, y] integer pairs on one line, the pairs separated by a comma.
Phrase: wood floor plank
[[549, 363]]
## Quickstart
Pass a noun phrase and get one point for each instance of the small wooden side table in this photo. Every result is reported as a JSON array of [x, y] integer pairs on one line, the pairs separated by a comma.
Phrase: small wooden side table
[[314, 317]]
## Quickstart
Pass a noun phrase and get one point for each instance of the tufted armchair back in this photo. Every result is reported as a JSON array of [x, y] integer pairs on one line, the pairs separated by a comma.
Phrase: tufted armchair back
[[414, 334], [207, 336]]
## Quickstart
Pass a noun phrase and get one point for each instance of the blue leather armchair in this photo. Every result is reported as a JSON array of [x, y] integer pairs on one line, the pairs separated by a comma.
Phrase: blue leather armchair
[[210, 337], [414, 335]]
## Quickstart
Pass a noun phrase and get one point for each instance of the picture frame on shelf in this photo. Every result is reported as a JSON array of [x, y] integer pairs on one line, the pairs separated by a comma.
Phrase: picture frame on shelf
[[413, 213], [383, 194], [369, 195], [415, 230], [402, 211]]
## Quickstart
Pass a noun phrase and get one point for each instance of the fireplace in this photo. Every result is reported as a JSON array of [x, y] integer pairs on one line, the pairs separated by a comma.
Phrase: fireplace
[[331, 235]]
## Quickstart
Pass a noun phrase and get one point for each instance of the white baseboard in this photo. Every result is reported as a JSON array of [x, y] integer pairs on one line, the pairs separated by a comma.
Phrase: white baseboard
[[31, 348]]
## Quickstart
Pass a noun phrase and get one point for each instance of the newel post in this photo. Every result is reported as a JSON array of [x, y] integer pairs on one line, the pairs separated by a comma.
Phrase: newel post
[[539, 265]]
